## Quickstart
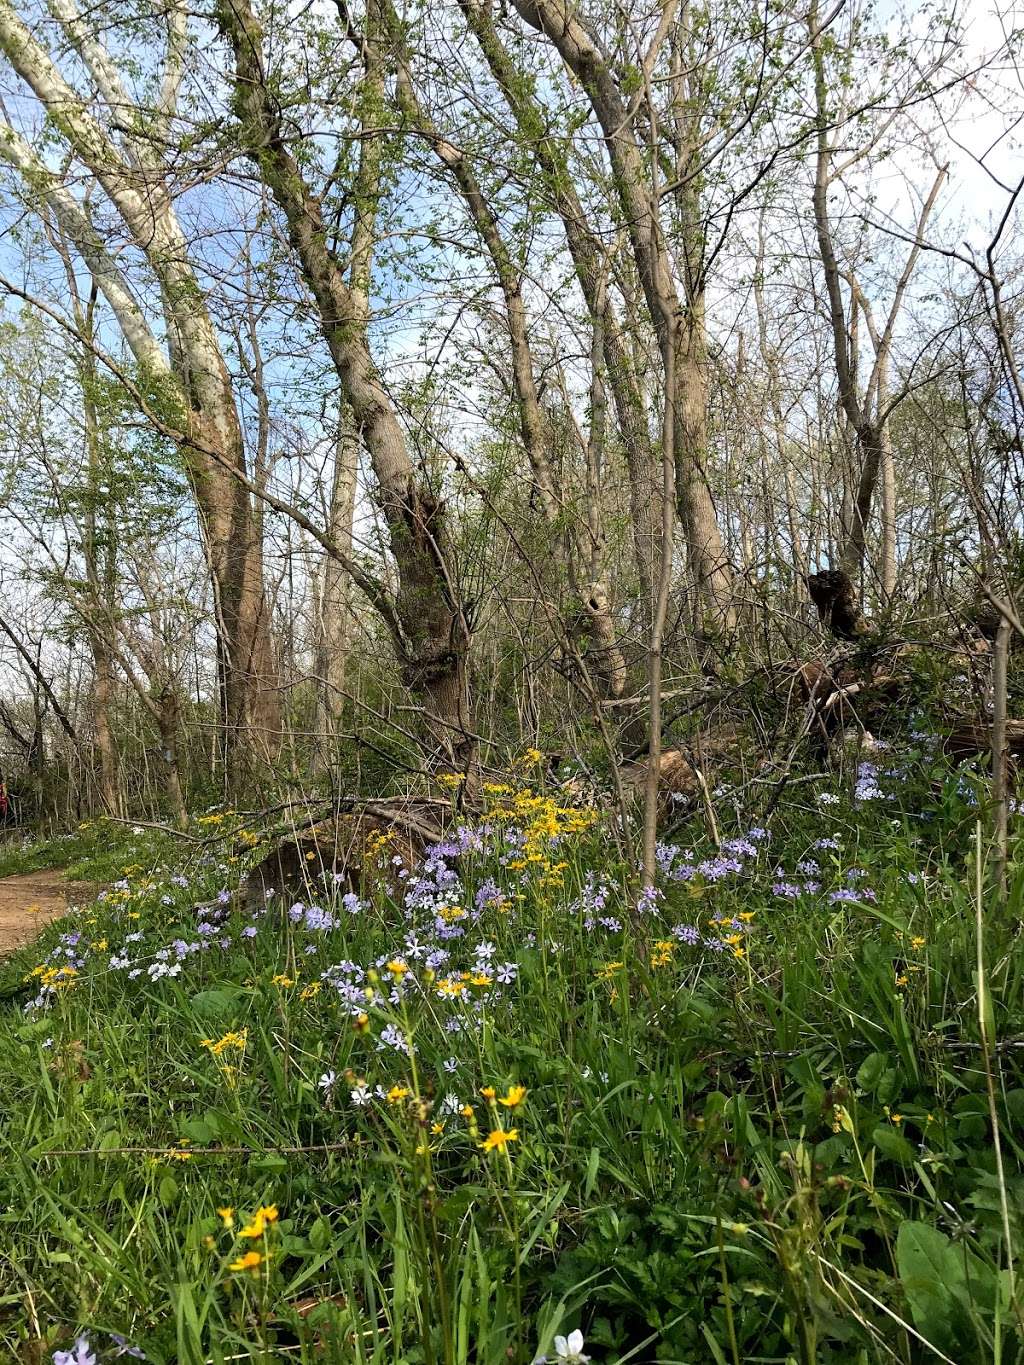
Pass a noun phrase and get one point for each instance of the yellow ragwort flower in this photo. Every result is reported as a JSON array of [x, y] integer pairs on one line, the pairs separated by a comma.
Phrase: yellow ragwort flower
[[251, 1261], [499, 1138], [257, 1226], [513, 1097]]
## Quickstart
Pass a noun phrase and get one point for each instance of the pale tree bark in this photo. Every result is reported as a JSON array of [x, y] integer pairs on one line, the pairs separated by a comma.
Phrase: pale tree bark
[[561, 23], [98, 550], [193, 375], [588, 257], [334, 607], [865, 412], [568, 538], [433, 635]]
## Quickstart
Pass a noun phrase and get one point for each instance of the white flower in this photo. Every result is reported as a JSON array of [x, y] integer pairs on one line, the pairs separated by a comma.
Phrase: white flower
[[569, 1350], [360, 1095]]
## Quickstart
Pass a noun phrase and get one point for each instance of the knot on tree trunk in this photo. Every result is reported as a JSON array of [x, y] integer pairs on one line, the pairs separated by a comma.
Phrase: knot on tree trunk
[[835, 597]]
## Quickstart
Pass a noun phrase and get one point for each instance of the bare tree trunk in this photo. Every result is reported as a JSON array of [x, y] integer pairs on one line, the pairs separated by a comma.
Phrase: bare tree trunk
[[587, 254], [563, 25], [192, 376], [334, 614], [430, 626], [168, 724]]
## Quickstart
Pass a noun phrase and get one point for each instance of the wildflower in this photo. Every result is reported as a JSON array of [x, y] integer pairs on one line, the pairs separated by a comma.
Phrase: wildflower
[[285, 982], [251, 1261], [232, 1039], [397, 1094], [499, 1138], [489, 1093], [397, 968], [361, 1023], [125, 1348], [360, 1094], [227, 1216], [327, 1081], [267, 1213], [917, 943], [513, 1097], [81, 1354], [569, 1350]]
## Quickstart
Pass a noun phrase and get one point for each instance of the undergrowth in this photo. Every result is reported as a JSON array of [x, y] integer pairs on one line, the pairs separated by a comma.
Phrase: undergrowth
[[508, 1104]]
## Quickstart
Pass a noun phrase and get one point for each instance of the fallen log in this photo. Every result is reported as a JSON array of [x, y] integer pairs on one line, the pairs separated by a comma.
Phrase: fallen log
[[351, 850]]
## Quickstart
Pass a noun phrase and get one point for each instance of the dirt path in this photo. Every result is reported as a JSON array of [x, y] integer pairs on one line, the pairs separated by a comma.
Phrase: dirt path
[[31, 900]]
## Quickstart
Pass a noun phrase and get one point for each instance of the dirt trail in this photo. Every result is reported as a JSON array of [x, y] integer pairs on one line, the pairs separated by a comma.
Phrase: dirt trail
[[29, 901]]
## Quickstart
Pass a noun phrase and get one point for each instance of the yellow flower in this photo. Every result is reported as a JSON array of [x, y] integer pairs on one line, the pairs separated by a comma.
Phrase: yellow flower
[[466, 1111], [311, 991], [746, 915], [231, 1039], [513, 1097], [180, 1153], [499, 1138], [361, 1023], [267, 1213], [227, 1216], [917, 943], [489, 1093], [397, 1094], [282, 980], [397, 968], [251, 1261], [437, 1128]]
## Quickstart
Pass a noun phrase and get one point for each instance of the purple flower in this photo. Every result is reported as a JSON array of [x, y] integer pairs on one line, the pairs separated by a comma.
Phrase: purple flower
[[124, 1348], [742, 848], [81, 1354], [686, 933], [847, 896], [249, 931], [788, 890], [648, 899], [224, 896]]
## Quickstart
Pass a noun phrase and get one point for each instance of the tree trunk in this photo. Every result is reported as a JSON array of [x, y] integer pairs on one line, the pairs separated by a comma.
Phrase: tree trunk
[[334, 623], [434, 638], [169, 724]]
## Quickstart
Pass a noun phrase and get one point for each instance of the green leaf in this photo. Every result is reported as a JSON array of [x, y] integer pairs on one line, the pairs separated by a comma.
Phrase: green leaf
[[871, 1070], [893, 1145], [217, 1004], [932, 1276]]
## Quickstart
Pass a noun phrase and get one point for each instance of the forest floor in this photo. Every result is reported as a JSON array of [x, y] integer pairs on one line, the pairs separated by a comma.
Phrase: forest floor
[[29, 901]]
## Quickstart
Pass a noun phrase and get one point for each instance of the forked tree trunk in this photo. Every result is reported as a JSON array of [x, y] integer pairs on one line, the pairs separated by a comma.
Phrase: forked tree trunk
[[433, 630]]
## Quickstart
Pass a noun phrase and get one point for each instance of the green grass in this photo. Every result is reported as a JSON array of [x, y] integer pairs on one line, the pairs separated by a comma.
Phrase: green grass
[[782, 1154]]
